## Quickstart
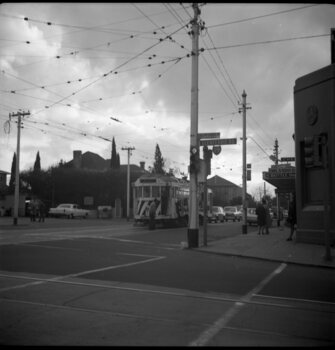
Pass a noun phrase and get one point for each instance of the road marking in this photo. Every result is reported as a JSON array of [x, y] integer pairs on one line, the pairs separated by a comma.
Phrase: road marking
[[73, 275], [46, 246], [221, 323]]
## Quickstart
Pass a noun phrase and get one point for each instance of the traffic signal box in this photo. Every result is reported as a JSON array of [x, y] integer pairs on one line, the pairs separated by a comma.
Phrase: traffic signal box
[[194, 161], [314, 115]]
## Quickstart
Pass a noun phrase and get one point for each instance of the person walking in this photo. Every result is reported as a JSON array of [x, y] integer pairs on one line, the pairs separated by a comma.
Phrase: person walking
[[292, 217], [152, 214], [33, 209], [41, 211], [268, 219], [261, 218]]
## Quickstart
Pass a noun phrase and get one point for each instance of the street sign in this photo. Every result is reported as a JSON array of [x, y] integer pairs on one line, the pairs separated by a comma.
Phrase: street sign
[[287, 159], [208, 135], [217, 150], [215, 142], [270, 175]]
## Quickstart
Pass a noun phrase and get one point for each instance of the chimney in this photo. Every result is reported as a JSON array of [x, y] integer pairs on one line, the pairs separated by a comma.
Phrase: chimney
[[77, 159], [142, 164]]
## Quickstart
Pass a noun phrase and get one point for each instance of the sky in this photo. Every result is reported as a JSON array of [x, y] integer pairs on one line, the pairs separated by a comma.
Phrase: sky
[[91, 72]]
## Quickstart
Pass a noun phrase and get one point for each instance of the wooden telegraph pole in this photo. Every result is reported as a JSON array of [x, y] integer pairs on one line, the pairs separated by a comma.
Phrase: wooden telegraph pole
[[17, 115], [193, 229], [129, 149]]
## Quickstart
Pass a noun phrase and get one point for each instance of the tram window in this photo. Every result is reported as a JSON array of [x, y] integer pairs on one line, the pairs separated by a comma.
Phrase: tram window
[[139, 192], [146, 191], [156, 191]]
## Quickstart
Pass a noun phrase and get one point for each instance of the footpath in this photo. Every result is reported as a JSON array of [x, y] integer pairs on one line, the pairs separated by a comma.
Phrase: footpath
[[272, 247]]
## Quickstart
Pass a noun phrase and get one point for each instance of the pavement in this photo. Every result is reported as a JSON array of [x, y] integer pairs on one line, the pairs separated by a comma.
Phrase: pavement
[[273, 247]]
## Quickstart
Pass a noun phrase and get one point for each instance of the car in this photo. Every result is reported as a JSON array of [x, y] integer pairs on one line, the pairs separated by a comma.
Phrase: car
[[68, 210], [218, 214], [251, 216], [232, 213]]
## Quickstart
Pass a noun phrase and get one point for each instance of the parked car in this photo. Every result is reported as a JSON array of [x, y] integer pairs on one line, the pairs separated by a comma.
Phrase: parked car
[[232, 213], [70, 211], [251, 216], [218, 214]]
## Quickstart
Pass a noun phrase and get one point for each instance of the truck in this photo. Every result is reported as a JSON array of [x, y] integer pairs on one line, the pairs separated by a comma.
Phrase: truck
[[68, 210]]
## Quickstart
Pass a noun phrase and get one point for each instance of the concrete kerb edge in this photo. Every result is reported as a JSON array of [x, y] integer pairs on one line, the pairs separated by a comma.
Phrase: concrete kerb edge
[[202, 250]]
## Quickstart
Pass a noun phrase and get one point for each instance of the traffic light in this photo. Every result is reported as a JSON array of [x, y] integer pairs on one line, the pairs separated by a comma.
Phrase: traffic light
[[313, 151], [194, 161], [309, 151], [208, 155]]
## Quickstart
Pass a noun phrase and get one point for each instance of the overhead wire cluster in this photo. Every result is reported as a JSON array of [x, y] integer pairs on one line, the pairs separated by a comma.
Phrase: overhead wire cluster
[[180, 14]]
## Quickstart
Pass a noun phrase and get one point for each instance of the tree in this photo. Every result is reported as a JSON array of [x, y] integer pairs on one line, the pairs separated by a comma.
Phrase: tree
[[115, 157], [159, 163], [118, 161], [12, 175], [37, 164]]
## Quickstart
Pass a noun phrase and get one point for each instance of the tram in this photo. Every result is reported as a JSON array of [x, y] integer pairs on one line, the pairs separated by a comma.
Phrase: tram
[[172, 195]]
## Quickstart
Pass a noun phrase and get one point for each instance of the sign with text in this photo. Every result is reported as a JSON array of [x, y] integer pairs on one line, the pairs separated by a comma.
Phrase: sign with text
[[287, 159], [215, 142], [279, 175], [209, 135]]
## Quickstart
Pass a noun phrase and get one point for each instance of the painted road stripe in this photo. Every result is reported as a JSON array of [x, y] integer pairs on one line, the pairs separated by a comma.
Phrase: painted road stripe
[[73, 275], [222, 322]]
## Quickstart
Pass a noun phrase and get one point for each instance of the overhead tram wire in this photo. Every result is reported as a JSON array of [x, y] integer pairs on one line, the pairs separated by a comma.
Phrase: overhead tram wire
[[106, 74], [262, 16], [226, 71], [234, 92], [36, 86], [269, 41], [155, 24], [210, 68]]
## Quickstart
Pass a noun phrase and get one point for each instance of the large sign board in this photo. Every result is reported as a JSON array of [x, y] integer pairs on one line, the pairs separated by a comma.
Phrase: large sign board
[[215, 142], [279, 175]]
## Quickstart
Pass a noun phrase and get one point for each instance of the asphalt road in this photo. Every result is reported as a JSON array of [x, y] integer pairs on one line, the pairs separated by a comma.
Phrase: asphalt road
[[105, 282]]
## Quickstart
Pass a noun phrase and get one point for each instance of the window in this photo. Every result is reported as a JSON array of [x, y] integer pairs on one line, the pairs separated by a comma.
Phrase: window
[[156, 191], [138, 193], [146, 191]]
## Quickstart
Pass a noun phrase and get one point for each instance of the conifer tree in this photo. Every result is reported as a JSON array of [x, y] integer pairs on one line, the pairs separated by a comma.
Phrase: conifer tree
[[37, 164], [118, 161], [158, 167], [114, 164]]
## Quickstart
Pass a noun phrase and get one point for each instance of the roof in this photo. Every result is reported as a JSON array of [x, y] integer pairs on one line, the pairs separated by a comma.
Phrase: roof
[[217, 181], [93, 161], [4, 172]]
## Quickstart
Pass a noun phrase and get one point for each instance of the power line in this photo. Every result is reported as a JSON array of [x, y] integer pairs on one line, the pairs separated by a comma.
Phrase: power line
[[269, 41], [261, 16]]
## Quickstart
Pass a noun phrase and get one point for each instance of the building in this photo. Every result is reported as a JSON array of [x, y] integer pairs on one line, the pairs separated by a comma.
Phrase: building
[[223, 190], [93, 161]]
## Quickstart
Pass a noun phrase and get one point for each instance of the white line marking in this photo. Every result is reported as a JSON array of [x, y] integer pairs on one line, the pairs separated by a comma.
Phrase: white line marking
[[210, 332], [154, 258]]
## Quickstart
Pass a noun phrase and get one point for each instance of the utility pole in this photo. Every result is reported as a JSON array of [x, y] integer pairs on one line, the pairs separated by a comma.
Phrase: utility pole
[[193, 229], [129, 149], [276, 155], [17, 167], [244, 160]]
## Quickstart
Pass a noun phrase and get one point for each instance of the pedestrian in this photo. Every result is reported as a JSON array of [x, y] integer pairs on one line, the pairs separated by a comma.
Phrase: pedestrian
[[292, 217], [33, 210], [261, 218], [41, 211], [152, 214], [268, 219]]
